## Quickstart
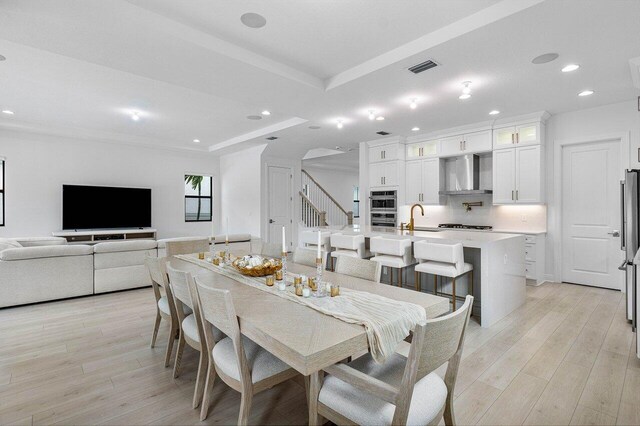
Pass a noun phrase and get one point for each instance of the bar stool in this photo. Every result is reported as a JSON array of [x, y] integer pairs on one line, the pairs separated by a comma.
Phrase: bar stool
[[309, 239], [444, 260], [347, 245], [393, 253]]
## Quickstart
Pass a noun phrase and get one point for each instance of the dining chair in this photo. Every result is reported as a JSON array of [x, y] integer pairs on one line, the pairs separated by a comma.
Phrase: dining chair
[[393, 253], [359, 268], [403, 390], [242, 364], [187, 246], [191, 329], [165, 305], [444, 260], [271, 250], [305, 256]]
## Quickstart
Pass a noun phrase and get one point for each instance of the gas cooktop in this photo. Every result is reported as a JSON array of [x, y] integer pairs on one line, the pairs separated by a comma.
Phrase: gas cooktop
[[461, 226]]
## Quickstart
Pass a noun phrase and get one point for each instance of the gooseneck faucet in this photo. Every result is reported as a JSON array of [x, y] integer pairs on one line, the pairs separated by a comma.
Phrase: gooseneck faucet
[[411, 221]]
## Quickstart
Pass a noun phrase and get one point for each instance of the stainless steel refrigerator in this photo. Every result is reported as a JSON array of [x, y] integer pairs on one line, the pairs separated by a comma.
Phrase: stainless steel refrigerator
[[629, 245]]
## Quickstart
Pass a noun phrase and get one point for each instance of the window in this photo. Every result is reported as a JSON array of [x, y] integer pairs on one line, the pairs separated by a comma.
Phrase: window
[[1, 191], [356, 201], [198, 198]]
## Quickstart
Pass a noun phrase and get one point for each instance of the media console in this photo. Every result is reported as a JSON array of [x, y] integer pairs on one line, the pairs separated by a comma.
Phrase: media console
[[102, 235]]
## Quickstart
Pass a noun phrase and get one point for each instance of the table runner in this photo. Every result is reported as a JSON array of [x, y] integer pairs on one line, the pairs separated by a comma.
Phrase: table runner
[[386, 321]]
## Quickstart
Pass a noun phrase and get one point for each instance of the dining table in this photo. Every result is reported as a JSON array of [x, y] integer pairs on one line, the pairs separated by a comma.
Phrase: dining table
[[304, 338]]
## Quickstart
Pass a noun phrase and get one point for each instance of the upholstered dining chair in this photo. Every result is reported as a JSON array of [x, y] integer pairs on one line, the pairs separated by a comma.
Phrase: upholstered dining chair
[[305, 256], [359, 268], [271, 250], [242, 364], [402, 390], [191, 329], [187, 246], [165, 306]]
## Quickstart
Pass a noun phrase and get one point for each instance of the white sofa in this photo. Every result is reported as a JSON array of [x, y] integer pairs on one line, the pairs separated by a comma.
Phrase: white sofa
[[40, 269], [237, 242], [119, 265]]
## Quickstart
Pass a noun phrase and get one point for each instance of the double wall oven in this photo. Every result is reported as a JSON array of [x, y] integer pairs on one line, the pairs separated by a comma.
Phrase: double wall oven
[[384, 208]]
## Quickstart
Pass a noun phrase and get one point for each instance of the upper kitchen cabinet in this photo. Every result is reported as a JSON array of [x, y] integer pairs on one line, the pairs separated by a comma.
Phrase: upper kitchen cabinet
[[518, 175], [383, 175], [468, 143], [424, 181], [518, 135], [424, 149], [386, 152]]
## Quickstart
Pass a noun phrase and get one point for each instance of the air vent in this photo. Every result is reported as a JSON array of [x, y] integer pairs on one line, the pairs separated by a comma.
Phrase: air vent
[[383, 133], [272, 138], [426, 65]]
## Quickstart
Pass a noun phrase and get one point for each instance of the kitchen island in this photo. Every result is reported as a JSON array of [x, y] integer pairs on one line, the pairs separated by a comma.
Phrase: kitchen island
[[498, 259]]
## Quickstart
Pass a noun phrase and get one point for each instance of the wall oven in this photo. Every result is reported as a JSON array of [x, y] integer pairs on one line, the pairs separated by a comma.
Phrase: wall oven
[[384, 208]]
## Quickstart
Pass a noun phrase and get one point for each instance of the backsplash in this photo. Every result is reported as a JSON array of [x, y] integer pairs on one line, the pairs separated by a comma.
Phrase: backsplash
[[500, 217]]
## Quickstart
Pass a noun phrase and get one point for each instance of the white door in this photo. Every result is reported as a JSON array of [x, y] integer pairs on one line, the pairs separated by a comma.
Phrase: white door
[[504, 176], [413, 173], [432, 181], [591, 214], [280, 204], [528, 174], [477, 142]]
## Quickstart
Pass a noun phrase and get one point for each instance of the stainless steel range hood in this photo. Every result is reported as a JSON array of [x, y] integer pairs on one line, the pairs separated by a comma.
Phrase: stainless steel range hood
[[467, 177]]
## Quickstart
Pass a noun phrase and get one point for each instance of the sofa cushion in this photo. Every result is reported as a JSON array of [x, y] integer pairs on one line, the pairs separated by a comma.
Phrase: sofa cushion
[[117, 246], [41, 241], [25, 253], [162, 243], [233, 238], [120, 259], [6, 243]]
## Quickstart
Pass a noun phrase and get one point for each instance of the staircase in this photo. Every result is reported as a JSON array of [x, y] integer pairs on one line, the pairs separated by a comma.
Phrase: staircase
[[319, 208]]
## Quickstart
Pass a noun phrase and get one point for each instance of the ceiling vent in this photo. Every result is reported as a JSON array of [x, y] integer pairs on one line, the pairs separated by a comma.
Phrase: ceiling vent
[[383, 133], [426, 65], [272, 138]]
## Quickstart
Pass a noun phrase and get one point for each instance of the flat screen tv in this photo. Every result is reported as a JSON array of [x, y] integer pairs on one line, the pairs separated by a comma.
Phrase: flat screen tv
[[104, 207]]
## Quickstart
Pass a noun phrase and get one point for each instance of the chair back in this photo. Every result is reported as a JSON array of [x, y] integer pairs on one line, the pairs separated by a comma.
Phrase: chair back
[[359, 268], [271, 250], [157, 267], [389, 246], [179, 282], [305, 256], [187, 246], [439, 252]]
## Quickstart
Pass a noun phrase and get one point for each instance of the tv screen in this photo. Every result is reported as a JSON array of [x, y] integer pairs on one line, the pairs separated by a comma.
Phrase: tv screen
[[104, 207]]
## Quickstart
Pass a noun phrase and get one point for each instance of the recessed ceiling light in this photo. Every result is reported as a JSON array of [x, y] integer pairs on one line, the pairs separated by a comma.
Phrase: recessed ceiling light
[[315, 127], [466, 89], [570, 67], [340, 125], [372, 114], [196, 141], [265, 112], [379, 118], [135, 116], [253, 20], [464, 96], [254, 117], [413, 104], [2, 58], [543, 59], [586, 93], [415, 129], [494, 112], [6, 111]]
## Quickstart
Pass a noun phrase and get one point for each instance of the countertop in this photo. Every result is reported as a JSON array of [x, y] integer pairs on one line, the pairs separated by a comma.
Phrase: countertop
[[494, 230]]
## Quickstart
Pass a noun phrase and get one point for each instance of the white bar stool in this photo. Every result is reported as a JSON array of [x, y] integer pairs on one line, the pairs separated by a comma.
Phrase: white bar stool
[[309, 239], [445, 260], [394, 253], [347, 245]]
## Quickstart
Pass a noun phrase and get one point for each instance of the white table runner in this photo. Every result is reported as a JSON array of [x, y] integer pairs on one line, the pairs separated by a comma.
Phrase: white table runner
[[386, 321]]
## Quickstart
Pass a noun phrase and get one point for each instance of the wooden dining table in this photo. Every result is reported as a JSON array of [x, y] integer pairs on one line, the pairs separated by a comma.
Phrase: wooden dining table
[[304, 338]]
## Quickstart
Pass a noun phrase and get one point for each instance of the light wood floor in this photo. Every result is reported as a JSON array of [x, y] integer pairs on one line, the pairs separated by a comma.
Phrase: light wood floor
[[565, 357]]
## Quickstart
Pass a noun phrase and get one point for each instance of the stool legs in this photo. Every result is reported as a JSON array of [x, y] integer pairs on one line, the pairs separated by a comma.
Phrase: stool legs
[[453, 293], [400, 278], [391, 275], [435, 284], [418, 283]]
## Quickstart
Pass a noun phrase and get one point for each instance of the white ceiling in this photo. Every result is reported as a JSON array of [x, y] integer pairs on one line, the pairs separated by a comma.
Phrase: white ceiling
[[77, 67]]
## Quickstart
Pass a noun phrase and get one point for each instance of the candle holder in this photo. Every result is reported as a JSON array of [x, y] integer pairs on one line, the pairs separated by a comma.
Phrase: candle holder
[[319, 290], [227, 254], [284, 265]]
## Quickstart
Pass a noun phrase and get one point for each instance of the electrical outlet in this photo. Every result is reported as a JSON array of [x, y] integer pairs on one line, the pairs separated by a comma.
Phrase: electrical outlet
[[524, 217], [506, 259]]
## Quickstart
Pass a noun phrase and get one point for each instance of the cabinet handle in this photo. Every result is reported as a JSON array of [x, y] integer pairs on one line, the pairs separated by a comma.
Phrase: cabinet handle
[[513, 138], [516, 195], [512, 196], [518, 137]]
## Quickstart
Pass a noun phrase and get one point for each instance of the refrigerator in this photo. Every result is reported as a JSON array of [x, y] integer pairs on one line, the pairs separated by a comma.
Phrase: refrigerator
[[629, 244]]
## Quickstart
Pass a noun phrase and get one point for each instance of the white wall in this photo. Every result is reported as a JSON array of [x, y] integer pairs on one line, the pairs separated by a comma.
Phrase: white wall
[[339, 183], [240, 191], [38, 165]]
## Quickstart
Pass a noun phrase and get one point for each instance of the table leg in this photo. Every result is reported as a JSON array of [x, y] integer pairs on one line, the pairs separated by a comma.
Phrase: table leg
[[315, 382]]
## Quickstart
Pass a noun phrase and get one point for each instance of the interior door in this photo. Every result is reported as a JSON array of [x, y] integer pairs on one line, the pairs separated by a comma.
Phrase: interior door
[[528, 174], [504, 176], [280, 204], [591, 214], [413, 173]]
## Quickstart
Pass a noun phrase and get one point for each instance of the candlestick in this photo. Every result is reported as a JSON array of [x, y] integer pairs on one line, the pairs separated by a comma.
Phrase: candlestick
[[226, 237], [284, 242], [284, 266], [320, 288], [227, 254], [319, 243]]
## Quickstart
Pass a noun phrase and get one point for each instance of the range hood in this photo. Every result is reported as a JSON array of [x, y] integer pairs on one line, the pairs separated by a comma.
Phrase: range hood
[[467, 177]]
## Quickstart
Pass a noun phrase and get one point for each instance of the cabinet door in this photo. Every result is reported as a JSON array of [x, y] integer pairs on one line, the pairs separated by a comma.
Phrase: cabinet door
[[413, 174], [390, 152], [451, 146], [504, 176], [529, 174], [477, 142], [390, 173], [376, 172], [414, 151], [504, 137], [528, 134], [376, 154], [432, 180]]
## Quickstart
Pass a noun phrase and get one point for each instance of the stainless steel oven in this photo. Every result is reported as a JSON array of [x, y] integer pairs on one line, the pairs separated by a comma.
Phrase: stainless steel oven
[[384, 208]]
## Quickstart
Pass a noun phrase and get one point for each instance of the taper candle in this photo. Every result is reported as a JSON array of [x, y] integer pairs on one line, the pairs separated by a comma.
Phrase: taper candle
[[319, 242], [284, 243]]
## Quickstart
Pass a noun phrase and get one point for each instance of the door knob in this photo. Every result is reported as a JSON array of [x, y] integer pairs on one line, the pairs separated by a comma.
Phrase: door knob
[[615, 233], [271, 220]]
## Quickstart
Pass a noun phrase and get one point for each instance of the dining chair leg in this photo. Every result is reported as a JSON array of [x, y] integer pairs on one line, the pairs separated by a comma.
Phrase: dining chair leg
[[245, 407], [170, 340], [208, 390], [178, 361], [200, 379], [156, 326], [418, 283], [453, 293], [471, 290]]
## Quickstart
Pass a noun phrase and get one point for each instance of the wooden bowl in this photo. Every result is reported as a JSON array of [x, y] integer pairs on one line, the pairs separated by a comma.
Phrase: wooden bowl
[[260, 270]]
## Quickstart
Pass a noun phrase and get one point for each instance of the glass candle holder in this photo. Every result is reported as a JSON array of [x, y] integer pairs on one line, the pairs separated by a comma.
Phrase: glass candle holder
[[335, 290], [319, 290], [216, 261], [306, 292], [298, 289], [279, 275], [311, 282], [284, 264], [270, 281], [297, 280], [201, 256], [282, 286]]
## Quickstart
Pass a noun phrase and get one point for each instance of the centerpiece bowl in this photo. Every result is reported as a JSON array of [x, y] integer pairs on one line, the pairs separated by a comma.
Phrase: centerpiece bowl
[[257, 266]]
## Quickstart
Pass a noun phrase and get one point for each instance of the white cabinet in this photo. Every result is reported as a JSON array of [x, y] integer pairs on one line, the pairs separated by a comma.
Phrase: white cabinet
[[518, 135], [383, 174], [383, 153], [469, 143], [517, 175], [423, 149], [424, 181]]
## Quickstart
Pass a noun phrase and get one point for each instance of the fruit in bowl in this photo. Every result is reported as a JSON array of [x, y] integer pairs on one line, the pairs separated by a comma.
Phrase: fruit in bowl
[[257, 266]]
